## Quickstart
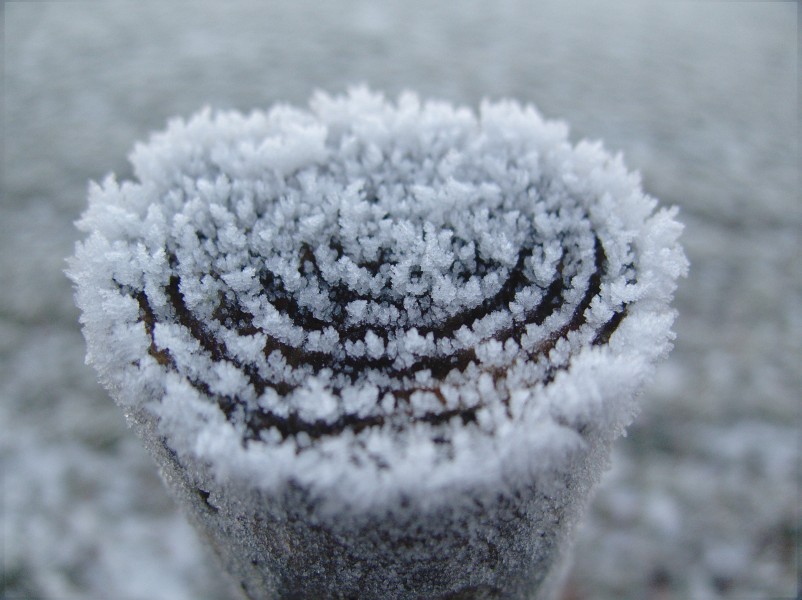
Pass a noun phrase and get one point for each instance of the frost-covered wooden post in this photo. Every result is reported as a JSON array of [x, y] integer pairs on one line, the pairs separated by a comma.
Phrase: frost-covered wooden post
[[379, 350]]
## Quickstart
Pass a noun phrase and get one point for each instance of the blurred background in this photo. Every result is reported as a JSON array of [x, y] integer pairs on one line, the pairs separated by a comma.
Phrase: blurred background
[[702, 500]]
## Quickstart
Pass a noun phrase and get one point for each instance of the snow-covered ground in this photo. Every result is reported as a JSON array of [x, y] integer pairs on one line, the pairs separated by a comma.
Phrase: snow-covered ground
[[702, 500]]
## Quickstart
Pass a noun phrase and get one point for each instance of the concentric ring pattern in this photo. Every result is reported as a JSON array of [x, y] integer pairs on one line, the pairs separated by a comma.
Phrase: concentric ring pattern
[[364, 265]]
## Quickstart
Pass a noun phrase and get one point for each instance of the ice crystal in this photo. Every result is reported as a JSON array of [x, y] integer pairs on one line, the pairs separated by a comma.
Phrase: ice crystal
[[386, 295]]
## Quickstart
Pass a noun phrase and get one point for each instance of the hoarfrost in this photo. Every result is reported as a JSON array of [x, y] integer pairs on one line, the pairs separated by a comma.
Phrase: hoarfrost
[[329, 288]]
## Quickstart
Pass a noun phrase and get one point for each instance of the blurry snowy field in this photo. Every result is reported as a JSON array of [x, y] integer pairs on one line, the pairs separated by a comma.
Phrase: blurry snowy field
[[703, 497]]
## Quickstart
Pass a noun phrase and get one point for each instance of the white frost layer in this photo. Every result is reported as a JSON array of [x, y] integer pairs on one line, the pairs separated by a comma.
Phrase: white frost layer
[[378, 224]]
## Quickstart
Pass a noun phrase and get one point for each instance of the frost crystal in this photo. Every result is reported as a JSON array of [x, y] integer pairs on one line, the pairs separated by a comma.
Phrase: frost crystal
[[376, 296]]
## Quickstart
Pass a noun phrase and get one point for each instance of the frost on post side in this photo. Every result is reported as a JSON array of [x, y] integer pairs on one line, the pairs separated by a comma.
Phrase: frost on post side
[[375, 296]]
